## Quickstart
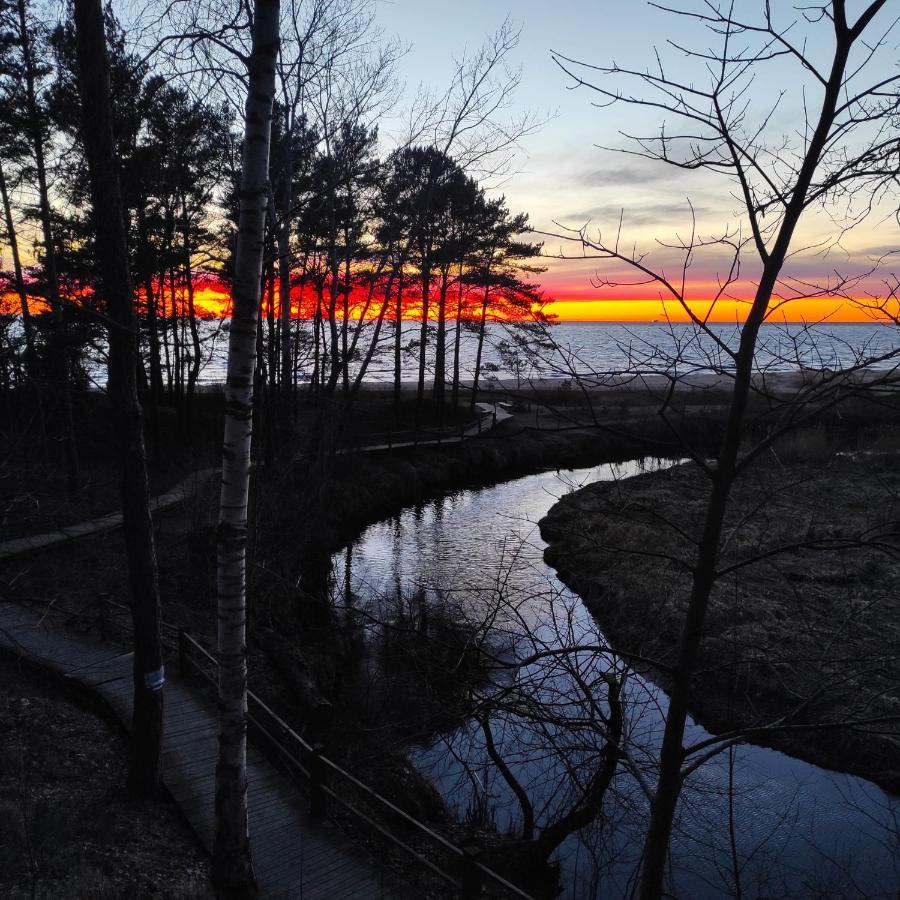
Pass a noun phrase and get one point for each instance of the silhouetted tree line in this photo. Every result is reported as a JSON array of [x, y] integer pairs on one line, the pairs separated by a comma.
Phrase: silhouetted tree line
[[355, 243]]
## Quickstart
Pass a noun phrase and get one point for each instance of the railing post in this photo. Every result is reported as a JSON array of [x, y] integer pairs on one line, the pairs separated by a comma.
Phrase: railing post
[[318, 800], [183, 651], [471, 874]]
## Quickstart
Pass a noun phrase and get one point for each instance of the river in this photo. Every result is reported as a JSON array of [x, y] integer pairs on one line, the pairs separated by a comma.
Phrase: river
[[798, 830]]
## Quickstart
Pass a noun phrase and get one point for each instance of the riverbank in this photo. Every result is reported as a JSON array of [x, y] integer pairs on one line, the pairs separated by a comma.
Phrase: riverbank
[[800, 645], [354, 492]]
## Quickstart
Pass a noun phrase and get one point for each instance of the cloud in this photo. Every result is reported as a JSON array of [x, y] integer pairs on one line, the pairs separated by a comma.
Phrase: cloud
[[640, 173], [640, 214]]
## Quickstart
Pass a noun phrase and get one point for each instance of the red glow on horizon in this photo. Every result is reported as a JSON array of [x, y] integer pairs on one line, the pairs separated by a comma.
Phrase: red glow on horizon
[[576, 302]]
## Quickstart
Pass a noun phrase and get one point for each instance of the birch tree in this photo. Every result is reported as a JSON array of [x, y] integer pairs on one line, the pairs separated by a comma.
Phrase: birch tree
[[232, 864]]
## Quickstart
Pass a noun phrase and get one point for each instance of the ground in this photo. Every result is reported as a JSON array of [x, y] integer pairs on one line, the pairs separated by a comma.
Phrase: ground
[[804, 637], [70, 830]]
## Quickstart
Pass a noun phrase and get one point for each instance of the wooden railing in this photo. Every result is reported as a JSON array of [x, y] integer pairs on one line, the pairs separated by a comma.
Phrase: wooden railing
[[423, 437], [327, 783]]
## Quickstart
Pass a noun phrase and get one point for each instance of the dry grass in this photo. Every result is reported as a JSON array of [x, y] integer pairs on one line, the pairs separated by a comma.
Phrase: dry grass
[[810, 632]]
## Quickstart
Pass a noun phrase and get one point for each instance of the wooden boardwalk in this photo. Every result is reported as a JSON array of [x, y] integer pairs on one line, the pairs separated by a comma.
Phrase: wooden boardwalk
[[294, 855], [186, 488], [182, 491]]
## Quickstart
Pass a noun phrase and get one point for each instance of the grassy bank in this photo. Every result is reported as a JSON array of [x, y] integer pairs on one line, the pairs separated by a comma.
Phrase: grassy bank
[[804, 638]]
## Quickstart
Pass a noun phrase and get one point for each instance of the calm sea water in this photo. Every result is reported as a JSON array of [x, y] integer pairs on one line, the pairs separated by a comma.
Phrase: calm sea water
[[800, 831], [591, 348]]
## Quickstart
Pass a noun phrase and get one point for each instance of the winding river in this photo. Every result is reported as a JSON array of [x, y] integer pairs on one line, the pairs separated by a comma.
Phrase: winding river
[[752, 817]]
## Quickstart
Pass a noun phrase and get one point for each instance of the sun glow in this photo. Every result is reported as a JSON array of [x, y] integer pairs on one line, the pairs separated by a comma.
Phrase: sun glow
[[570, 303]]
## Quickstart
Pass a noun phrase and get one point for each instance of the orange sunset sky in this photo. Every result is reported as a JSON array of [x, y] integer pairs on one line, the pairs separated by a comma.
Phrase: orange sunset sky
[[573, 301]]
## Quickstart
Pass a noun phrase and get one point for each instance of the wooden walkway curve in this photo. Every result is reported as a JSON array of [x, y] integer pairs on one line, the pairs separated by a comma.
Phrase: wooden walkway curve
[[182, 491], [189, 485], [294, 855]]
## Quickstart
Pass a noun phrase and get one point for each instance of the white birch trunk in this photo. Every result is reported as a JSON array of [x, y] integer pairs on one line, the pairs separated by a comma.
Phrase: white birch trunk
[[232, 866]]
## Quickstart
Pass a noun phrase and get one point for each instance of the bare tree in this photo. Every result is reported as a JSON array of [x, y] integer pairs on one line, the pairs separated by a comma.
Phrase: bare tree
[[233, 869], [847, 144]]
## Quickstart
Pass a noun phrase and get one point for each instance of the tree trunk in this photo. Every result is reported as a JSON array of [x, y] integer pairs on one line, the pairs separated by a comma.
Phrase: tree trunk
[[232, 865], [164, 323], [662, 813], [271, 335], [423, 336], [482, 324], [284, 314], [147, 265], [345, 322], [112, 256], [18, 279], [176, 351], [335, 356], [440, 348], [194, 370], [318, 356], [457, 336], [373, 344], [60, 352], [398, 336]]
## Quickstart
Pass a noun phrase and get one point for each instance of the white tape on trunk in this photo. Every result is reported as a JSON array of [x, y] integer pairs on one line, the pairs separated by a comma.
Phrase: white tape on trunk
[[154, 681]]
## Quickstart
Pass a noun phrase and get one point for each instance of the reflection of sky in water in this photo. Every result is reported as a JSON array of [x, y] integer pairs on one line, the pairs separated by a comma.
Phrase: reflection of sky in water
[[799, 830]]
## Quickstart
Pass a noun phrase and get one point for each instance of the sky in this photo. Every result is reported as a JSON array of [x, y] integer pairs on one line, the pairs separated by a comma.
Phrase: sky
[[563, 178], [570, 173]]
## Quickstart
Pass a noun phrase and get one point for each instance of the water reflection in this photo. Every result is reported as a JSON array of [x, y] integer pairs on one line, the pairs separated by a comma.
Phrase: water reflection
[[798, 830]]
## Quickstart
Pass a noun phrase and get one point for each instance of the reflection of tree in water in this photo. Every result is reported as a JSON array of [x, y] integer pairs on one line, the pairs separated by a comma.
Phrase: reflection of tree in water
[[545, 696]]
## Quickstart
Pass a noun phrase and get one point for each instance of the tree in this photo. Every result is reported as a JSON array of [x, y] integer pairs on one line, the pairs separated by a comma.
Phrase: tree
[[457, 226], [499, 262], [435, 174], [116, 288], [18, 276], [233, 869], [846, 143], [25, 40]]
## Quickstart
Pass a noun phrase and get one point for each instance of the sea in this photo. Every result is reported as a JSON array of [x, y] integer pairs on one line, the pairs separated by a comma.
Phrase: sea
[[513, 354]]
